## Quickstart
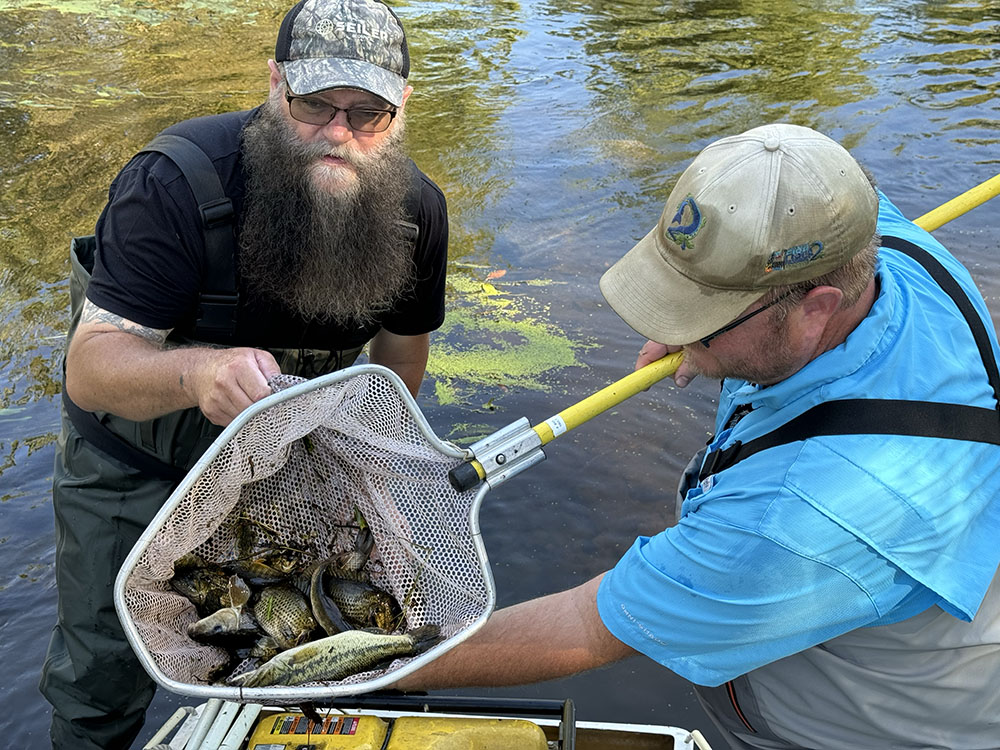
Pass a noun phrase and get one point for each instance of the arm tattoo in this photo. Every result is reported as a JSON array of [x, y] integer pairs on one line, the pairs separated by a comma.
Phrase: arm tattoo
[[94, 314]]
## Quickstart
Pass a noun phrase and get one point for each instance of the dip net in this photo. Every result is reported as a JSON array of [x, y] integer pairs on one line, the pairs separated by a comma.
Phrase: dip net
[[300, 464]]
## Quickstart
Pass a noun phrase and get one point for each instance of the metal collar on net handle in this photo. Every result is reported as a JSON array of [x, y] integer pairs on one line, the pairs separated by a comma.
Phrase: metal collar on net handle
[[517, 446]]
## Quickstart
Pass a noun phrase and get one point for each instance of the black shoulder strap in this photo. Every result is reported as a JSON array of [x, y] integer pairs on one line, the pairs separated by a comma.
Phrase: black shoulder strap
[[413, 204], [885, 416], [947, 282], [217, 303], [218, 298], [868, 416]]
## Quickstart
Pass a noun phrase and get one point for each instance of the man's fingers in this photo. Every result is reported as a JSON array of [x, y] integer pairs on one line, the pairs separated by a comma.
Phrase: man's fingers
[[267, 364], [252, 384], [684, 375], [240, 379], [222, 410], [650, 352], [249, 382]]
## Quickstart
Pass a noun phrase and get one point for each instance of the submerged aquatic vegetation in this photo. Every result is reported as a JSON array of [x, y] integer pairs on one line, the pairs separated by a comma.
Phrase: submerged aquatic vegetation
[[496, 336]]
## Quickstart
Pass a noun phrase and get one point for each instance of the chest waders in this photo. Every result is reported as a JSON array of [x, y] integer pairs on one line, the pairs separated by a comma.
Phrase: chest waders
[[112, 475], [735, 705]]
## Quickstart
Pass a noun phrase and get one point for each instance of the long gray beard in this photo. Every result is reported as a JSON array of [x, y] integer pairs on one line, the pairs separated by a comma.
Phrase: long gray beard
[[325, 256]]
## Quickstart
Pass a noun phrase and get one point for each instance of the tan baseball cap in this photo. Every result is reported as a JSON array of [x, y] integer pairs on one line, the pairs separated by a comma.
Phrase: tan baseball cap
[[776, 205]]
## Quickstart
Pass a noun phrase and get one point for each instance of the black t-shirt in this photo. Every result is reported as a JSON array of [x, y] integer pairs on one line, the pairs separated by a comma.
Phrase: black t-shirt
[[150, 252]]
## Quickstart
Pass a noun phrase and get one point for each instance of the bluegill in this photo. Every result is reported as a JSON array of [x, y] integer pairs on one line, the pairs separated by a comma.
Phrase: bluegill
[[230, 625], [364, 605], [284, 614], [338, 656], [204, 584], [261, 559], [351, 564], [266, 567]]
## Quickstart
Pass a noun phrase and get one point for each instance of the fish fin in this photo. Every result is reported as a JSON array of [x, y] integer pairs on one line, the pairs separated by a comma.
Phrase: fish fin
[[239, 592], [364, 542], [425, 637]]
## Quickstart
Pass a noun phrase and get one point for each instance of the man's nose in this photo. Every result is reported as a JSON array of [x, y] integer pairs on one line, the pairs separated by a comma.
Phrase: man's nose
[[339, 129]]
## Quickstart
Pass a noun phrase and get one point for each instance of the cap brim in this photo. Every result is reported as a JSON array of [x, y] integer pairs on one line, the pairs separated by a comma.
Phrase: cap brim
[[309, 75], [663, 305]]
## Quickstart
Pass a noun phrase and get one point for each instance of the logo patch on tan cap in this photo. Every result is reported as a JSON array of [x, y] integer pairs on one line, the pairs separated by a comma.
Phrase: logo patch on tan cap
[[686, 223], [782, 259]]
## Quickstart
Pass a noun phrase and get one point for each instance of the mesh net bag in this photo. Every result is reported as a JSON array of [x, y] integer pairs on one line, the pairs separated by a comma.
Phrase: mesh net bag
[[298, 464]]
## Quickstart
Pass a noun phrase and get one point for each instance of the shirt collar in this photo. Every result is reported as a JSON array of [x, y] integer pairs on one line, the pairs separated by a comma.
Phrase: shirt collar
[[873, 335]]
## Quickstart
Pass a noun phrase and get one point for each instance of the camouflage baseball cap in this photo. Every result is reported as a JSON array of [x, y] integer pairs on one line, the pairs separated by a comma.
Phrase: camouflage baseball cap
[[326, 44], [776, 205]]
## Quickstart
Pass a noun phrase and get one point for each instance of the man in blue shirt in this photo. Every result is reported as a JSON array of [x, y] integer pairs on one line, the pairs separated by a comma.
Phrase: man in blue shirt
[[838, 588]]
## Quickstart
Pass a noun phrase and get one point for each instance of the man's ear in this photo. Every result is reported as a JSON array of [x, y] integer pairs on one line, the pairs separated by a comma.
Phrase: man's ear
[[406, 95], [816, 308], [276, 77]]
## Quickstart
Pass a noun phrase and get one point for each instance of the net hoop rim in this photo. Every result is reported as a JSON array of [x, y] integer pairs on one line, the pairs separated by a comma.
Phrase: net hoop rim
[[293, 695]]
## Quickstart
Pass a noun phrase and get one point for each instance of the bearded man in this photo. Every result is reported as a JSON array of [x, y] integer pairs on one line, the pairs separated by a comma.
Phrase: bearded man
[[339, 242]]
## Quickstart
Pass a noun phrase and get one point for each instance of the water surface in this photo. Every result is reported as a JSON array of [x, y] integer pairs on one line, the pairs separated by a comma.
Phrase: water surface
[[555, 129]]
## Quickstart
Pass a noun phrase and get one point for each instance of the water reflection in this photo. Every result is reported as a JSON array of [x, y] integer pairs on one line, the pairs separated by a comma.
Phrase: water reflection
[[555, 128], [80, 100], [958, 75], [673, 76], [462, 87]]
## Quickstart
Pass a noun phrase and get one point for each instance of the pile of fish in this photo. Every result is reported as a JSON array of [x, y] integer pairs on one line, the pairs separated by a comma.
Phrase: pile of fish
[[287, 620]]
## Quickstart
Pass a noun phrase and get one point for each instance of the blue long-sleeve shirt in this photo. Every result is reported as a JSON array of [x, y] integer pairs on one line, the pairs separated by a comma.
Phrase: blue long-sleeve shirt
[[807, 541]]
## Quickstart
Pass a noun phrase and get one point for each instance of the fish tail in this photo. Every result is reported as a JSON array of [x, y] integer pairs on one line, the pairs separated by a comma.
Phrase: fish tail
[[425, 637]]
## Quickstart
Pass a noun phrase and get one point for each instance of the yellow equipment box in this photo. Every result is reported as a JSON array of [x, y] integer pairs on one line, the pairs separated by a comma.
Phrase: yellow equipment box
[[458, 733], [293, 731]]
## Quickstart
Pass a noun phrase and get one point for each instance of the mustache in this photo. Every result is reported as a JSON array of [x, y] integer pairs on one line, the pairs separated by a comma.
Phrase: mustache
[[349, 152]]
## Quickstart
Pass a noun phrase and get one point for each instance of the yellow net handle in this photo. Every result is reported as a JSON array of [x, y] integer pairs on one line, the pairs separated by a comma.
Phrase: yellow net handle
[[605, 398], [644, 377], [472, 472], [959, 205]]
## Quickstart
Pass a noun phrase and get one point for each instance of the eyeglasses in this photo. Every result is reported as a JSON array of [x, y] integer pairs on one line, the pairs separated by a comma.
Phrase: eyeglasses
[[739, 321], [317, 112]]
